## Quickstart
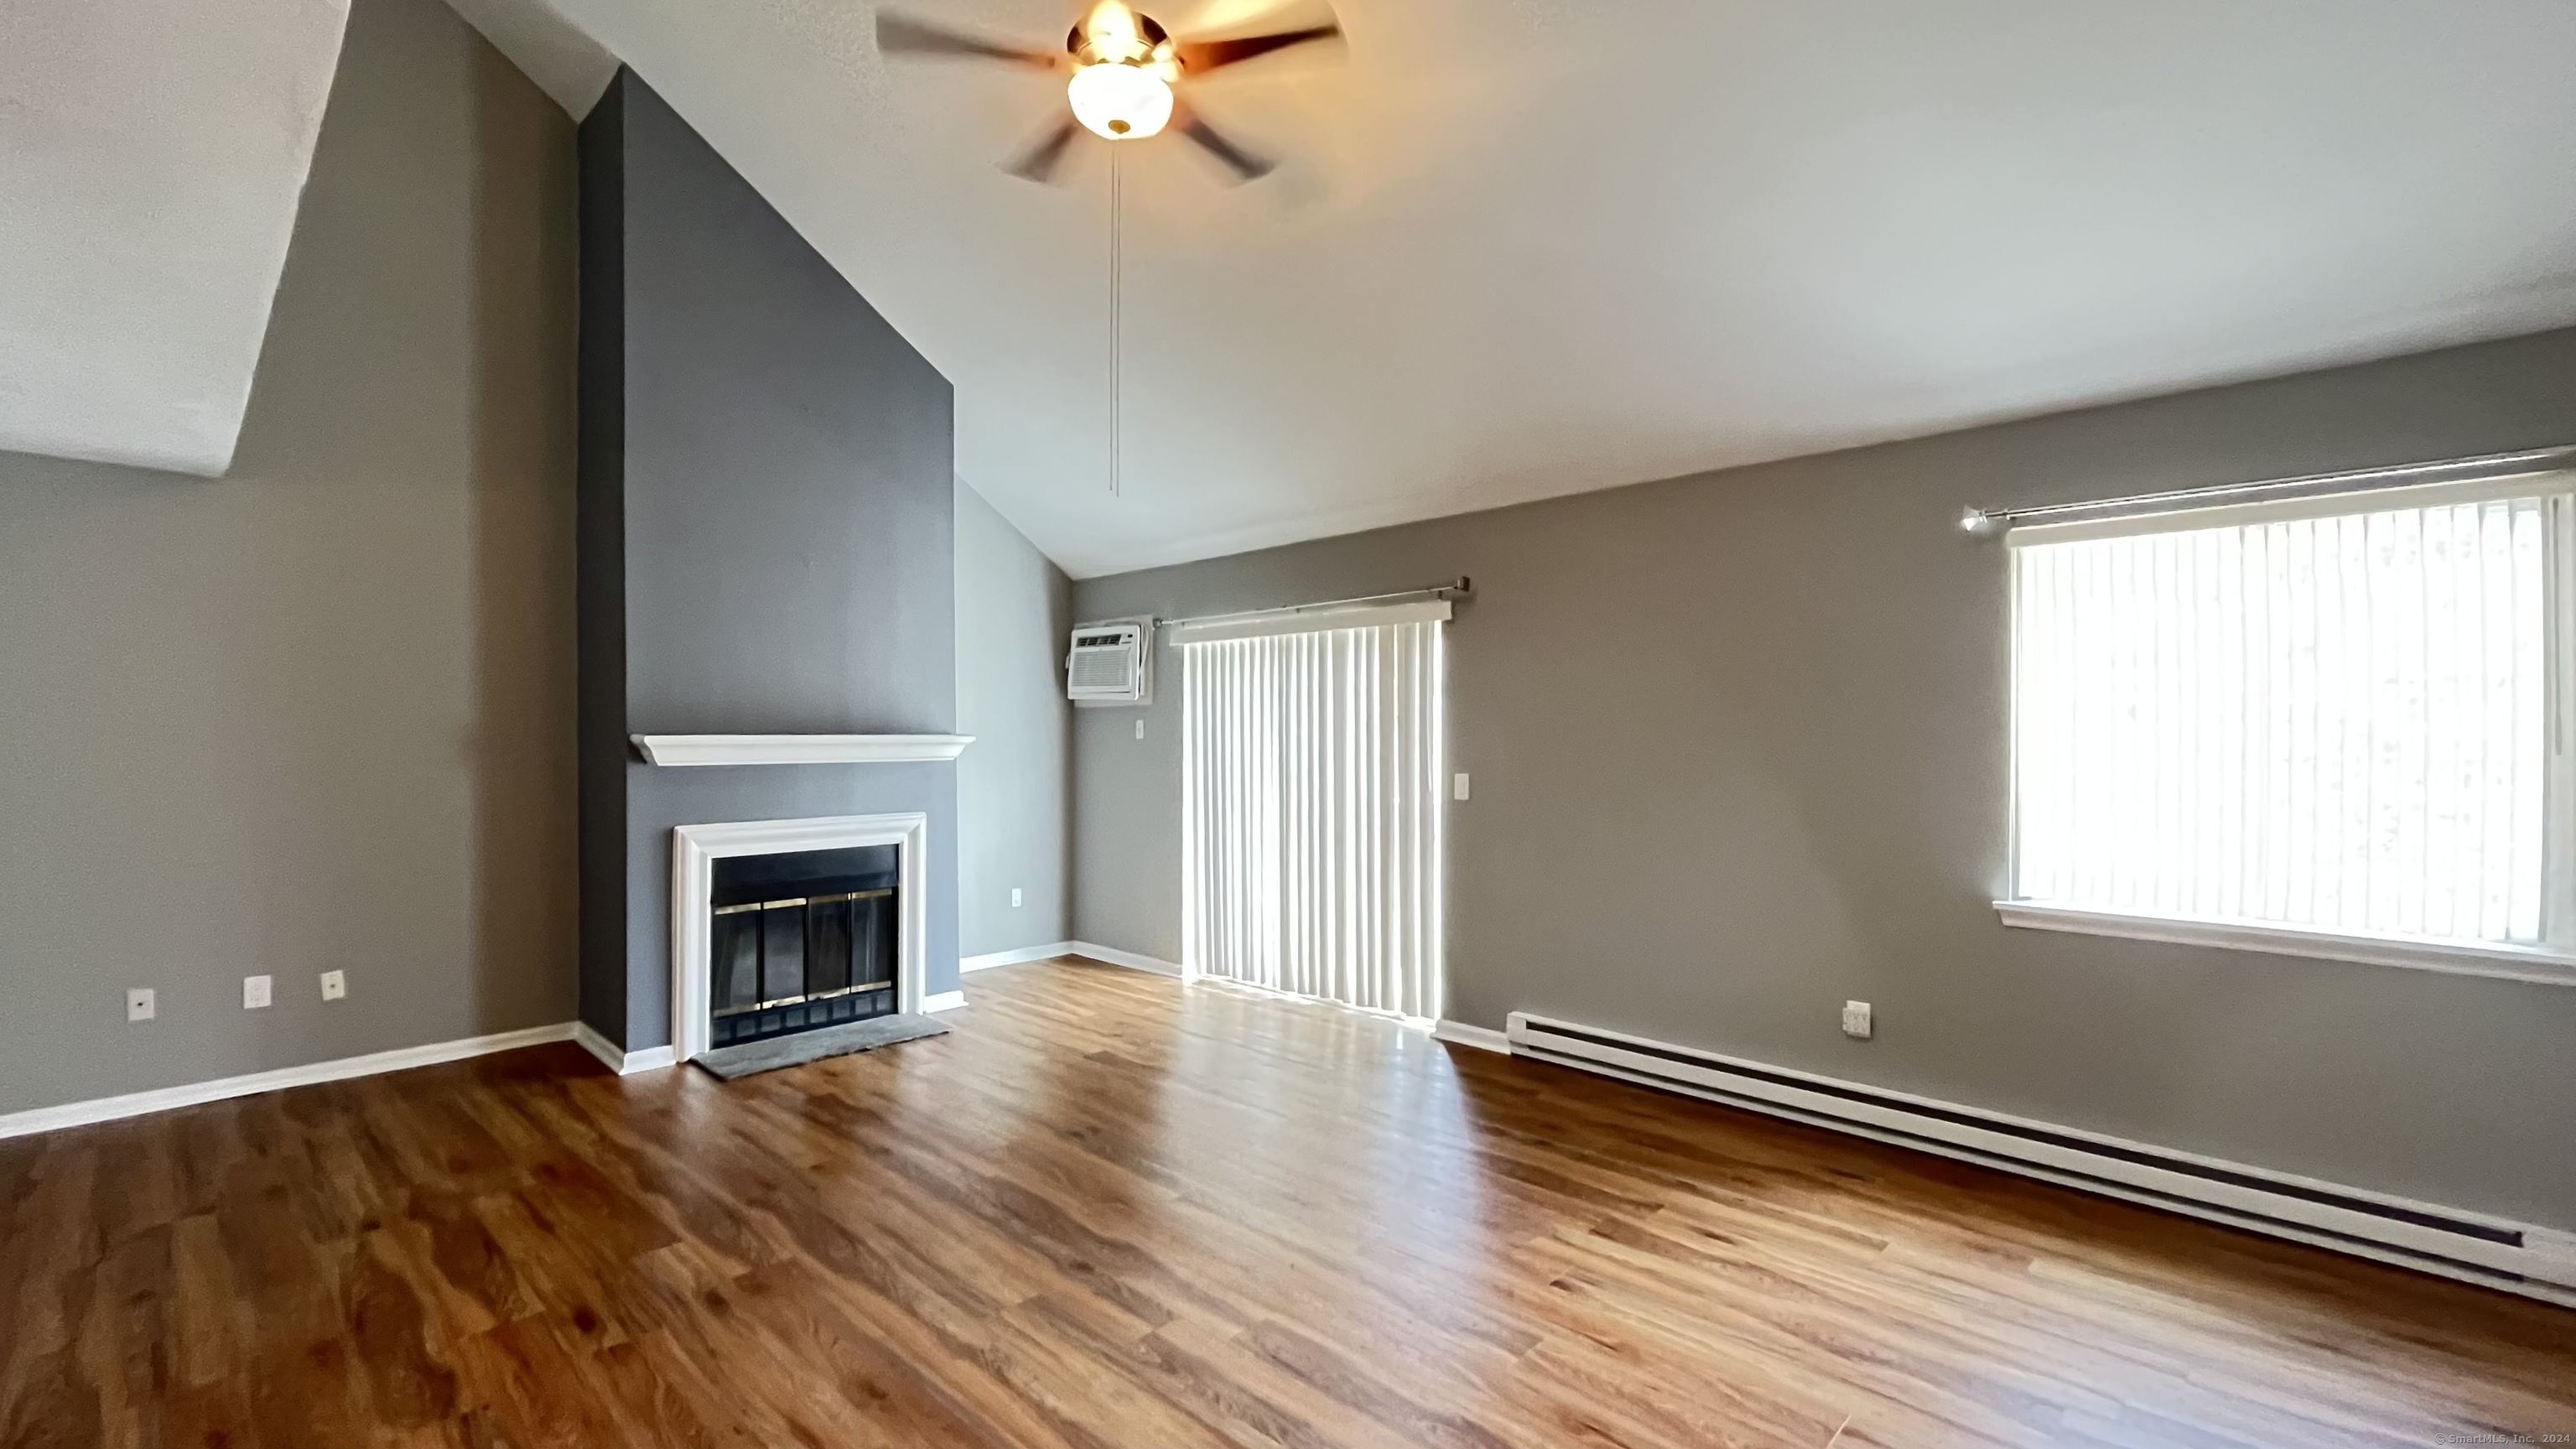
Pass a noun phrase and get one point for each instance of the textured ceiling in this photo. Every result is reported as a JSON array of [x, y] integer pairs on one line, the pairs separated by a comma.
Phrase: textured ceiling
[[151, 158], [1530, 247]]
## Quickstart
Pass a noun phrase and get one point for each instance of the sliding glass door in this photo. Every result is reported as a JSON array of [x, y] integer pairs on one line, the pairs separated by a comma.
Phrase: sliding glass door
[[1311, 845]]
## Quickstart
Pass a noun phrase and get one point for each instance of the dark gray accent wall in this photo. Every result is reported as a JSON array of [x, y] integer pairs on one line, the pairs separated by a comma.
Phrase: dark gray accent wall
[[767, 541], [788, 469], [317, 714], [1739, 750], [600, 585]]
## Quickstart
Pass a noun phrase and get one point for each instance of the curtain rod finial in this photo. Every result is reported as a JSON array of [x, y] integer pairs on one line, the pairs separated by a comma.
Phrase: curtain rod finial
[[1976, 523]]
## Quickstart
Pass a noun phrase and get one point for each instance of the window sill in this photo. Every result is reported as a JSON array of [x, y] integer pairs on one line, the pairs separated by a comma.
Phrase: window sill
[[2511, 963]]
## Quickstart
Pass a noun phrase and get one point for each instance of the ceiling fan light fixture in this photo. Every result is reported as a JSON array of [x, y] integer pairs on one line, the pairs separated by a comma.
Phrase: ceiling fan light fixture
[[1113, 32], [1125, 69], [1120, 102]]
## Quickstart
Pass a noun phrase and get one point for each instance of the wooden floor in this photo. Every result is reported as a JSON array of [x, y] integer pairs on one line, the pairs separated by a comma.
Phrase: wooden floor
[[1105, 1211]]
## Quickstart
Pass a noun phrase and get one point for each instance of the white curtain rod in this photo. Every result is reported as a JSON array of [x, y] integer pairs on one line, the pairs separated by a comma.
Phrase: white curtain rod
[[1986, 521], [1457, 588]]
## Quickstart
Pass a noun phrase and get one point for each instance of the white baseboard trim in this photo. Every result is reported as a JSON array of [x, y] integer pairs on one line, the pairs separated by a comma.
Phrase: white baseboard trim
[[944, 1001], [137, 1104], [1482, 1038], [2479, 1248], [624, 1063], [1128, 959], [1013, 958]]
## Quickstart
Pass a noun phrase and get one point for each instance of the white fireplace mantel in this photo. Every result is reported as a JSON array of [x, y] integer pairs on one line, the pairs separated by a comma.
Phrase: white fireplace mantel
[[797, 749]]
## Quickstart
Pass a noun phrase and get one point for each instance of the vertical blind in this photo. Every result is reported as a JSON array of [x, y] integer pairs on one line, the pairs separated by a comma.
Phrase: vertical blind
[[2336, 722], [1311, 813]]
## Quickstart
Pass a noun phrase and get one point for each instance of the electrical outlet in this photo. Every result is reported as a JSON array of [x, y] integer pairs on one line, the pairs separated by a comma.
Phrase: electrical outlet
[[1140, 729], [138, 1003], [1458, 786], [335, 984], [1015, 898], [1856, 1019], [254, 992]]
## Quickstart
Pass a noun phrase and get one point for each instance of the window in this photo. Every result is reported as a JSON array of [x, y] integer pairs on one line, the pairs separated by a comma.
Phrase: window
[[2334, 727]]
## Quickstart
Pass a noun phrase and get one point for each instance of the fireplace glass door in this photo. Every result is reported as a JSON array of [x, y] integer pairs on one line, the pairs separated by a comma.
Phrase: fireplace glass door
[[802, 940]]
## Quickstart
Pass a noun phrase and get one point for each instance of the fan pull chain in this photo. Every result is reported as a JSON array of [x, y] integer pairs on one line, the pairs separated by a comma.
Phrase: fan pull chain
[[1117, 331]]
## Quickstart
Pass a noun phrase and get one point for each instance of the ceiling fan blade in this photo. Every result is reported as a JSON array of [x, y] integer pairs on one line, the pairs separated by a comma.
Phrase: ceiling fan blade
[[1039, 162], [903, 35], [1201, 56], [1246, 165]]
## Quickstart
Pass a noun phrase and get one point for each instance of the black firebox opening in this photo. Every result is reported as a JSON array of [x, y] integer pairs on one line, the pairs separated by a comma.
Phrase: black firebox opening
[[802, 940]]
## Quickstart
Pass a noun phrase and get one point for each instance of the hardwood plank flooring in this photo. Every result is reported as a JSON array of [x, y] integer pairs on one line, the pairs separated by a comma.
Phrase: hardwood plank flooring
[[1105, 1211]]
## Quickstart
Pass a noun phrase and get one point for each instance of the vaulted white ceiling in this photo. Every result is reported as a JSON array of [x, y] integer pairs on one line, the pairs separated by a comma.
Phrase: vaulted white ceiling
[[1519, 247], [151, 158], [1529, 247]]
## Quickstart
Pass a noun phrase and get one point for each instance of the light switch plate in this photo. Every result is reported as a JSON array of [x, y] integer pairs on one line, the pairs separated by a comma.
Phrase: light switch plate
[[1140, 729], [139, 1003], [1458, 786], [255, 992], [1856, 1019], [335, 984], [1015, 897]]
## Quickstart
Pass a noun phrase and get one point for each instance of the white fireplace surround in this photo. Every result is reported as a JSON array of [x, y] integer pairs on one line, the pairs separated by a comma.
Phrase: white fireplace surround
[[695, 849]]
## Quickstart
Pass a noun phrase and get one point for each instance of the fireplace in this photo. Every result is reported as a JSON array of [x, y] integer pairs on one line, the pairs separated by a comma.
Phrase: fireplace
[[801, 940], [786, 926]]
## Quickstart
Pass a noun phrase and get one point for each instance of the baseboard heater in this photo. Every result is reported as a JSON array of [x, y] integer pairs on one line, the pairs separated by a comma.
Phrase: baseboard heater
[[2518, 1257]]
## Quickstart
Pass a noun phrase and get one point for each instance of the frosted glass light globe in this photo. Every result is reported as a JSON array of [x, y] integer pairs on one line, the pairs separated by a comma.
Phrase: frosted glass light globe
[[1119, 102]]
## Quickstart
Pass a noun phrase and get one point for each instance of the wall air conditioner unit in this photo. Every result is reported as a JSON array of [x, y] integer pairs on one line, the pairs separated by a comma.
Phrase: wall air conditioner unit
[[1110, 664]]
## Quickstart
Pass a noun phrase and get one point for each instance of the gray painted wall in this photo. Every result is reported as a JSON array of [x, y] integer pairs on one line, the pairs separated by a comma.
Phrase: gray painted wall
[[317, 714], [1739, 752], [767, 537], [1014, 608]]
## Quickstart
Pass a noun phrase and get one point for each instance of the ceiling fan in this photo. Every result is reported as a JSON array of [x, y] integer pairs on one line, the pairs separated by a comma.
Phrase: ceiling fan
[[1121, 70]]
